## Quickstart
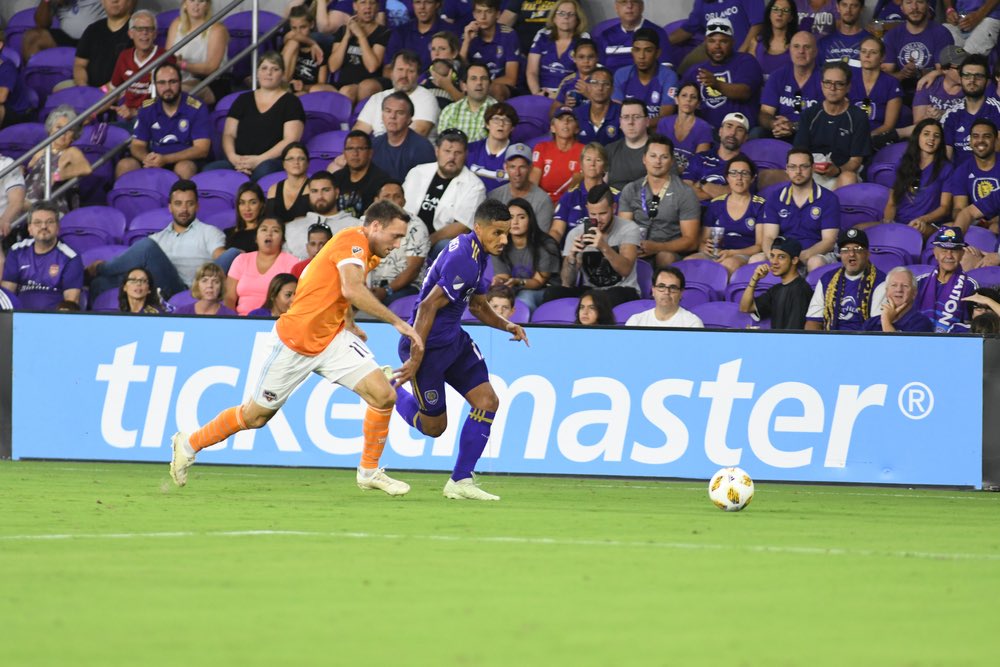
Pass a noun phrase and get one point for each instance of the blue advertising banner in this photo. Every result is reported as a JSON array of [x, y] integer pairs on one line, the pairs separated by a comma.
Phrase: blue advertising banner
[[798, 407]]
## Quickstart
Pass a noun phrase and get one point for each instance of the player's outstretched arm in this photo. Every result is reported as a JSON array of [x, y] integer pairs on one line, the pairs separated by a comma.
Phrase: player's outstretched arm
[[481, 309]]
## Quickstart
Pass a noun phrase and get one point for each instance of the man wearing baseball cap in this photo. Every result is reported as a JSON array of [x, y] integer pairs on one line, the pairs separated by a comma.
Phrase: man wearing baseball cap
[[844, 299], [940, 292], [517, 164], [787, 302], [557, 161], [706, 172], [646, 79], [729, 80]]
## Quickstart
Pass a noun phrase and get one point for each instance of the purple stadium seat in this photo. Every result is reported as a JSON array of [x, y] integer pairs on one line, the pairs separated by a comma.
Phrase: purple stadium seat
[[988, 276], [16, 140], [534, 141], [557, 311], [147, 223], [92, 226], [403, 306], [767, 153], [163, 21], [101, 253], [920, 269], [13, 55], [94, 142], [219, 122], [221, 219], [15, 302], [981, 238], [141, 190], [680, 51], [80, 98], [180, 299], [861, 202], [692, 298], [885, 164], [106, 302], [239, 25], [886, 261], [47, 68], [265, 182], [704, 275], [19, 23], [644, 276], [534, 112], [816, 274], [903, 238], [325, 112], [326, 147], [741, 278], [722, 315], [217, 190], [521, 314], [629, 308]]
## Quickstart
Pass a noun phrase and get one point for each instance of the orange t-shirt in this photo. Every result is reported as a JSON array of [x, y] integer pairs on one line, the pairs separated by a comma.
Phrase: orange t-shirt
[[317, 312]]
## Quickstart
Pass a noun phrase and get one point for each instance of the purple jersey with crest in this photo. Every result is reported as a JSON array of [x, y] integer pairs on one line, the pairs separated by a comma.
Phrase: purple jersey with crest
[[458, 270], [923, 49], [789, 99], [975, 183], [741, 232], [552, 67], [740, 68], [41, 279], [958, 123], [874, 101], [742, 14], [504, 49], [659, 91], [488, 167], [838, 47]]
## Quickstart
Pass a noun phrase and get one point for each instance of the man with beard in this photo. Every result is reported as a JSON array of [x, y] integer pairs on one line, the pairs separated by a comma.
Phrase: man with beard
[[646, 79], [844, 299], [791, 90], [172, 131], [787, 302], [978, 177], [323, 196], [444, 194], [40, 270], [940, 292], [844, 43], [729, 81], [897, 312], [975, 74], [912, 49], [359, 182], [172, 255], [706, 173]]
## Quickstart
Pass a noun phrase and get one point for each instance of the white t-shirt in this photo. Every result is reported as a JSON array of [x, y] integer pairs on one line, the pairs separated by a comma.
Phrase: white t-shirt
[[682, 319], [425, 107], [75, 16]]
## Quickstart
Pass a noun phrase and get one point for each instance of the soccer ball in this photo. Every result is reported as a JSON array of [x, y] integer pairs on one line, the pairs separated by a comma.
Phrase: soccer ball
[[730, 489]]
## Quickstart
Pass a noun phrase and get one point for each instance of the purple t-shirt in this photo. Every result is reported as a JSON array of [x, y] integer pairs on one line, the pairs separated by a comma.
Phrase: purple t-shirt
[[769, 62], [701, 133], [989, 205], [888, 10], [848, 310], [958, 123], [927, 196], [504, 49], [743, 14], [741, 232], [783, 93], [912, 320], [606, 133], [937, 96], [42, 279], [820, 22], [740, 68], [488, 167], [614, 44], [886, 89], [844, 48], [188, 309], [407, 36], [458, 270], [552, 67], [902, 46], [659, 91], [820, 211], [975, 183]]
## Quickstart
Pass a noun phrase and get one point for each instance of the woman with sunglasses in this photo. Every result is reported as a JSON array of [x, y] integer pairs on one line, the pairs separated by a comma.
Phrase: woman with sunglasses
[[876, 92]]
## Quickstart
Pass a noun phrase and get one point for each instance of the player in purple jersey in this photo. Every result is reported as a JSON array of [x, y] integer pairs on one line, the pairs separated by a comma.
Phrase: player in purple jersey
[[455, 281]]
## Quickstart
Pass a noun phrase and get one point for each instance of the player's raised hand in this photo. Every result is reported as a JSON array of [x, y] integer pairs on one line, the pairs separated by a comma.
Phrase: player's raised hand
[[519, 333]]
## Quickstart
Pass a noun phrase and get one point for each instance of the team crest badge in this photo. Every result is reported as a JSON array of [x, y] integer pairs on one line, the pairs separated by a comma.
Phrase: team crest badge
[[612, 130], [270, 396], [750, 223], [53, 270], [431, 397], [457, 284], [815, 212], [984, 187], [182, 124]]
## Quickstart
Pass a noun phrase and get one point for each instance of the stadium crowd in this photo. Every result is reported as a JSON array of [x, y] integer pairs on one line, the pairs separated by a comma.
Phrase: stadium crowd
[[792, 164]]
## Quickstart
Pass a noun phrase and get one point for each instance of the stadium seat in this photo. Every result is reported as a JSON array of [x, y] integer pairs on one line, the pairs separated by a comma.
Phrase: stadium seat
[[141, 190], [219, 122], [629, 308], [767, 153], [265, 182], [722, 315], [95, 141], [644, 276], [15, 302], [885, 164], [325, 112], [534, 112], [221, 219], [91, 227], [180, 299], [163, 21], [521, 314], [988, 276], [325, 147], [741, 278], [19, 23], [403, 306], [816, 274], [101, 253], [240, 36], [80, 98], [691, 298], [861, 202], [11, 55], [47, 68], [920, 269], [902, 238], [981, 238], [147, 223], [16, 140], [557, 311], [217, 190], [704, 275], [886, 261], [106, 302]]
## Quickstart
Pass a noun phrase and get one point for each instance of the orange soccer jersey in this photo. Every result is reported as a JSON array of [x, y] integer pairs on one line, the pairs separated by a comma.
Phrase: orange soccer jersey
[[317, 312]]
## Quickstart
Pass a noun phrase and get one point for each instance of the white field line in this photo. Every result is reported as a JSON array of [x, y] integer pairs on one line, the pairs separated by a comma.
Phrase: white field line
[[530, 541]]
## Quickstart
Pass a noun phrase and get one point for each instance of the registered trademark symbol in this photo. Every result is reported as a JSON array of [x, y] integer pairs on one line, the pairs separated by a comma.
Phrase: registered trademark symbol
[[916, 400]]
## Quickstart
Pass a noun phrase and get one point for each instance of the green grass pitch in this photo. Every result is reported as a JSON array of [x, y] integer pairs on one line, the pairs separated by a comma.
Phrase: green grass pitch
[[108, 564]]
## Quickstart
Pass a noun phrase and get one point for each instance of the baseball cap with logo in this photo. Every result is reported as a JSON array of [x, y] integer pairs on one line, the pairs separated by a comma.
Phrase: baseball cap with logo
[[563, 111], [719, 26], [518, 150], [855, 236], [949, 237], [952, 56], [737, 117]]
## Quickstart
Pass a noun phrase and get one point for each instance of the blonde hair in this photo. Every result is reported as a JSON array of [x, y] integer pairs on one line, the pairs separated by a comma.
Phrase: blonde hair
[[581, 18], [185, 24], [210, 270]]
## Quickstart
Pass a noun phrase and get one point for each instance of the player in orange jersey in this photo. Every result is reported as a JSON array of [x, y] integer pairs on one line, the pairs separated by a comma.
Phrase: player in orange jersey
[[318, 335]]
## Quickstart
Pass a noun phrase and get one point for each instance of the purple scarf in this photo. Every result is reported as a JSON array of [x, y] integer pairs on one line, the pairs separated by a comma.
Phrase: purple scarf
[[943, 302]]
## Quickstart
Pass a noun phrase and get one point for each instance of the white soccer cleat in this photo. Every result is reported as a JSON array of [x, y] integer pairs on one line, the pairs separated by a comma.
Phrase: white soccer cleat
[[466, 489], [180, 462], [379, 480]]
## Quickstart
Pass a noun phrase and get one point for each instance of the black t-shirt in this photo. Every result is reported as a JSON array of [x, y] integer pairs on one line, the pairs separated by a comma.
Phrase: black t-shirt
[[355, 198], [431, 199], [843, 136], [353, 69], [259, 132], [786, 305], [307, 67], [531, 17], [100, 48], [245, 240]]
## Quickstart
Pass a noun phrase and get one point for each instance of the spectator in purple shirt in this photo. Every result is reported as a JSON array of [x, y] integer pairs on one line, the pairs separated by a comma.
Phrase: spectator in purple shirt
[[817, 16], [975, 74], [40, 270], [550, 59], [416, 35], [598, 118], [979, 177], [844, 42], [911, 49], [876, 93], [791, 90], [747, 17], [730, 82], [689, 133], [615, 41], [495, 44], [646, 79], [573, 89], [897, 312], [781, 22]]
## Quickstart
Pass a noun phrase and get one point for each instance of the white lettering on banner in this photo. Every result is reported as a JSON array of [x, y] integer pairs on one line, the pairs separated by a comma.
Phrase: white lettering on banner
[[758, 427], [316, 414], [675, 431], [845, 413], [723, 392], [190, 396], [613, 442], [543, 395], [118, 374]]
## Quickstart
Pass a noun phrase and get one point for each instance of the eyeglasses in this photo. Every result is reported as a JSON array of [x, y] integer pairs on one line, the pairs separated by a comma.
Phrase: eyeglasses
[[798, 167], [836, 85], [974, 76], [137, 281], [781, 10], [566, 15], [669, 289], [853, 250], [142, 28], [739, 173]]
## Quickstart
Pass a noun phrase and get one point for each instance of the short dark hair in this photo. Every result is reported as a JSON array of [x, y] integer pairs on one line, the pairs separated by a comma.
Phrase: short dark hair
[[659, 140], [166, 65], [799, 150], [475, 63], [321, 227], [634, 101], [672, 270], [385, 211], [492, 4], [183, 185], [500, 292], [976, 59], [501, 109], [360, 134], [290, 146], [984, 121], [491, 211], [452, 134], [585, 41], [601, 191], [408, 56], [300, 12], [322, 176], [402, 97], [46, 205], [741, 157], [840, 66]]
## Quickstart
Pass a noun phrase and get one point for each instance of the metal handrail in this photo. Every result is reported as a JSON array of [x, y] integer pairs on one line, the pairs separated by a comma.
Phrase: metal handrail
[[252, 48]]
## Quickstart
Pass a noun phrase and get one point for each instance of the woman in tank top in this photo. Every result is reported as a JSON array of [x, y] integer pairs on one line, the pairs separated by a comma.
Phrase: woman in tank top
[[204, 54], [288, 199]]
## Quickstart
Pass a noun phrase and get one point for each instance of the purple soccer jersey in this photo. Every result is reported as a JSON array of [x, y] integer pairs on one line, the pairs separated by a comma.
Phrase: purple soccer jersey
[[742, 14], [738, 233], [458, 270], [489, 168], [660, 90], [789, 99], [740, 68], [958, 123], [806, 223], [874, 101], [615, 44], [975, 183], [496, 54], [843, 48], [552, 67], [42, 279], [902, 46], [820, 22], [848, 301], [926, 196]]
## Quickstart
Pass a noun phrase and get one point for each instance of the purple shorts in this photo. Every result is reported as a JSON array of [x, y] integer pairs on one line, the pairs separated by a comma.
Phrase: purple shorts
[[459, 363]]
